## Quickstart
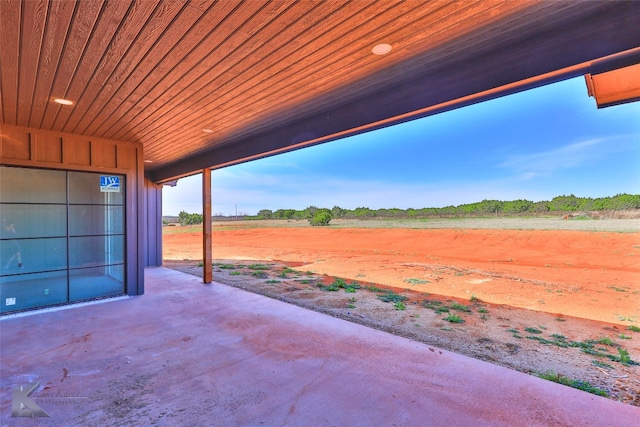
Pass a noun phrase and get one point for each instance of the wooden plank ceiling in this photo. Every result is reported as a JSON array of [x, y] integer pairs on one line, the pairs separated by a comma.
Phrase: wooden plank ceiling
[[264, 75]]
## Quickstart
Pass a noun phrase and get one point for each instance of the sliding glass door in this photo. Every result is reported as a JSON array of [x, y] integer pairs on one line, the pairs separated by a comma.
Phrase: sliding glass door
[[62, 237]]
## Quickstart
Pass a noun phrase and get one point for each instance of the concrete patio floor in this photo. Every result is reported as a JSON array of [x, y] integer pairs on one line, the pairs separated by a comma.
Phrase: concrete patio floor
[[212, 355]]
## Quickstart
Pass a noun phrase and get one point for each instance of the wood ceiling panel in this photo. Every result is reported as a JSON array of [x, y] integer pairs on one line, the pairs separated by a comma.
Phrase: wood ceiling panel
[[188, 53], [105, 47], [80, 34], [58, 22], [10, 12], [346, 66], [168, 51], [90, 52], [439, 46], [142, 46], [248, 70], [119, 47], [34, 21], [222, 68], [242, 28], [282, 64]]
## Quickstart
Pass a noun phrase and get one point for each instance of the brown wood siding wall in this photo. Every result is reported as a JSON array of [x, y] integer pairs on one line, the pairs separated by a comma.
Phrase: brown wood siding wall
[[55, 150]]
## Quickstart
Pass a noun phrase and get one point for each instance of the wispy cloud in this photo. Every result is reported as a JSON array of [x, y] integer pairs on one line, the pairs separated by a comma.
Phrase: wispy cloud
[[566, 157], [533, 165]]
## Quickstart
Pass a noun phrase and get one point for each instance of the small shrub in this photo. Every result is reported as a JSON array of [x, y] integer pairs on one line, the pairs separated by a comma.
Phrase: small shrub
[[633, 328], [545, 341], [340, 283], [594, 352], [482, 310], [185, 218], [258, 267], [623, 357], [321, 217], [435, 306], [533, 330], [234, 273], [391, 296], [459, 307], [399, 306], [454, 318], [225, 266], [606, 341], [431, 304]]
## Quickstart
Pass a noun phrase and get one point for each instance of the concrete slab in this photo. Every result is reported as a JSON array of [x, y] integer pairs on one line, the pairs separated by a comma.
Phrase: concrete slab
[[192, 354]]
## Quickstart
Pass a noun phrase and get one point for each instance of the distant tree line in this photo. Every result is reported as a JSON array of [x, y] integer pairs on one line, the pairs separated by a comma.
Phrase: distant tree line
[[569, 203]]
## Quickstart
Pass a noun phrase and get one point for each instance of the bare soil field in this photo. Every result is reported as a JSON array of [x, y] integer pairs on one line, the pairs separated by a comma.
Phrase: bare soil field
[[536, 300]]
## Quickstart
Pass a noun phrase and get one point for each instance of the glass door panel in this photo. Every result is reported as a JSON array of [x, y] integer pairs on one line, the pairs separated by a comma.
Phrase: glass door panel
[[62, 237]]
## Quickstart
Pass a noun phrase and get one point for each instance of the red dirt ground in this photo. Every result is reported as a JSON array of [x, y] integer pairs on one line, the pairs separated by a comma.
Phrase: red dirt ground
[[592, 275]]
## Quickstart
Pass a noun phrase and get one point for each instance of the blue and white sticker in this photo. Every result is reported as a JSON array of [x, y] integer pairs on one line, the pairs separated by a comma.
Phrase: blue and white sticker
[[109, 184]]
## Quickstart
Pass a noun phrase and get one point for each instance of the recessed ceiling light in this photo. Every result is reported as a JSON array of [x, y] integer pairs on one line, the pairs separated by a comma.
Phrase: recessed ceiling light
[[63, 101], [381, 49], [207, 130], [148, 161]]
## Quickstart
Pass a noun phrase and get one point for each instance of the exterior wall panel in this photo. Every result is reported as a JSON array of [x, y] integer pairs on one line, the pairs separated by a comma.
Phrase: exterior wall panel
[[48, 148], [15, 144], [153, 228], [77, 151], [36, 148], [103, 154]]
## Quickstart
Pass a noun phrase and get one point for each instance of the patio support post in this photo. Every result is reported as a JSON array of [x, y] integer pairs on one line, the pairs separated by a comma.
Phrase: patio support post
[[207, 250]]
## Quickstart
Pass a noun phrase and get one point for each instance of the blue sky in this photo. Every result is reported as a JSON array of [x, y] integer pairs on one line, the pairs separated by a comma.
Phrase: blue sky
[[533, 145]]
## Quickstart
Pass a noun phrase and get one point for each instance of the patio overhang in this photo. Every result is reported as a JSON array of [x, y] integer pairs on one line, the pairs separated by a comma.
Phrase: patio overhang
[[205, 84]]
